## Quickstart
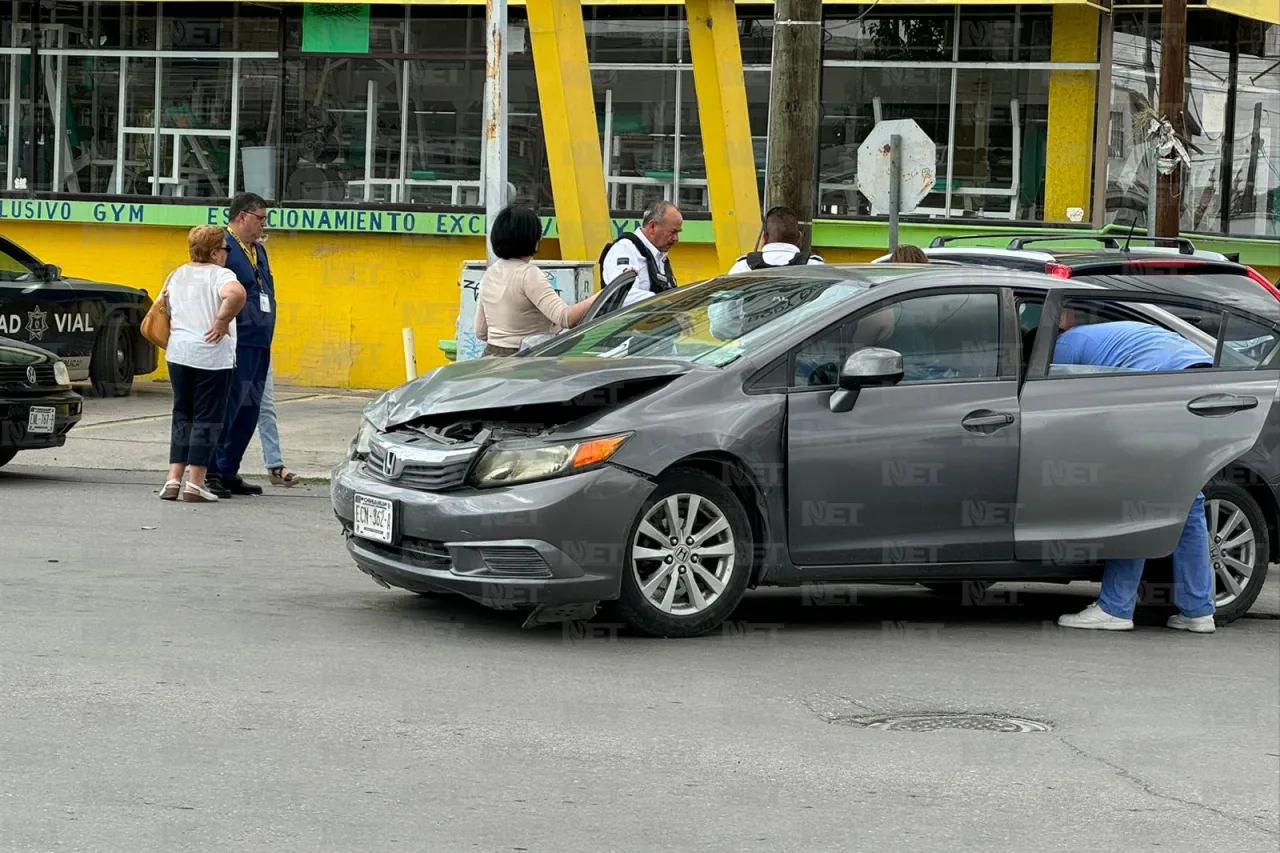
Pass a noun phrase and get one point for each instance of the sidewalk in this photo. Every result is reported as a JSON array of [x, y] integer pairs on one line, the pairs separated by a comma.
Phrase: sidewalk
[[132, 433]]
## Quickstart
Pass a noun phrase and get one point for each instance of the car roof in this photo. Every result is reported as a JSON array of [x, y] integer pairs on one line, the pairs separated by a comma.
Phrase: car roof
[[873, 274]]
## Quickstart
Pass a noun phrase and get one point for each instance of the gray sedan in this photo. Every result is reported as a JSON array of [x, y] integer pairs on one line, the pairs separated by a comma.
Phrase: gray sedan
[[837, 424]]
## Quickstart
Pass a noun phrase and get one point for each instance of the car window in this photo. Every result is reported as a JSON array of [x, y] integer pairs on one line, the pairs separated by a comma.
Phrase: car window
[[947, 336], [710, 323], [1122, 346], [12, 269]]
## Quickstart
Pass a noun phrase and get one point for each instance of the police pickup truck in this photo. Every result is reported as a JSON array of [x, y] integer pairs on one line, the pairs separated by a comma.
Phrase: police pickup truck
[[92, 327]]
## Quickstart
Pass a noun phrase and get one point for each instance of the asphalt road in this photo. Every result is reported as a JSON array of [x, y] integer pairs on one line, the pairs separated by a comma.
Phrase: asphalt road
[[222, 678]]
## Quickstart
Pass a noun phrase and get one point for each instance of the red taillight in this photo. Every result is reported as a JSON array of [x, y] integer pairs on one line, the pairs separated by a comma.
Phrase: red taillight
[[1058, 270], [1262, 280]]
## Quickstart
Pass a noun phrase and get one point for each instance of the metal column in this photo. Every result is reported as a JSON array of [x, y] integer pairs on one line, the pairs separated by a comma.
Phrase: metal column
[[495, 115]]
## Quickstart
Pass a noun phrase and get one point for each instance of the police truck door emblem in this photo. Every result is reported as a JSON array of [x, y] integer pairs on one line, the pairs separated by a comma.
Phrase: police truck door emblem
[[31, 376], [37, 324], [391, 465]]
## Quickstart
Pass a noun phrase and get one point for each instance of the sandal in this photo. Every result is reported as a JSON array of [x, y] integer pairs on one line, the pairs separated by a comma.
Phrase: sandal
[[170, 490], [198, 494], [282, 476]]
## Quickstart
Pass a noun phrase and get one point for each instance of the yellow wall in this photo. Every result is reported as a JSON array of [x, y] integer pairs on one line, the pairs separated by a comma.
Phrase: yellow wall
[[1072, 105], [344, 299]]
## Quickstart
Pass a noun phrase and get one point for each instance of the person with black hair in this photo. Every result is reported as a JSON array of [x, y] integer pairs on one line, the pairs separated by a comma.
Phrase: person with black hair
[[782, 238], [515, 299]]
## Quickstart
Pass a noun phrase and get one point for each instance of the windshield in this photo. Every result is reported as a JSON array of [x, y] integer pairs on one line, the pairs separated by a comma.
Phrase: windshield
[[711, 323]]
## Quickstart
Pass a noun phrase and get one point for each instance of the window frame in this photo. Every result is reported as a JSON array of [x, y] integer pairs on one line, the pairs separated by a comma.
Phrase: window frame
[[1041, 356], [1008, 346]]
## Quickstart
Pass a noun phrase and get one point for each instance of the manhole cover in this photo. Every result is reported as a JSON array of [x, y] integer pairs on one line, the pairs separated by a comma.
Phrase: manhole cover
[[937, 722]]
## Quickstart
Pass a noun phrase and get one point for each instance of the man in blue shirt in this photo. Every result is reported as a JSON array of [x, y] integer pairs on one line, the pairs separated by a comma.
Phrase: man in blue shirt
[[1142, 346], [1137, 346], [255, 330]]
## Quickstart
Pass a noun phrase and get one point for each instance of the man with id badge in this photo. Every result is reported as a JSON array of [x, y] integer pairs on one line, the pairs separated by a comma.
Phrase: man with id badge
[[255, 328]]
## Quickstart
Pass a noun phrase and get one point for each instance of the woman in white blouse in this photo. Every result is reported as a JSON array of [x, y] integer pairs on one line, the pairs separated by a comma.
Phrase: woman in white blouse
[[515, 299], [204, 298]]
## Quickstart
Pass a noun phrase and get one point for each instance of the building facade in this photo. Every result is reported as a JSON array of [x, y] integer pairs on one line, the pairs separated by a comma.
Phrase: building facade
[[125, 123]]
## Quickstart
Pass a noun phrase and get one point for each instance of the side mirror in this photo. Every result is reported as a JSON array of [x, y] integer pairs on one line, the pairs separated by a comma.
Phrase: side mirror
[[871, 366], [51, 272]]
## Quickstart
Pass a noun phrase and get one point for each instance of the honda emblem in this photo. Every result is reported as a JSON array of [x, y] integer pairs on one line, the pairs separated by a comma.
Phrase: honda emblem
[[391, 465]]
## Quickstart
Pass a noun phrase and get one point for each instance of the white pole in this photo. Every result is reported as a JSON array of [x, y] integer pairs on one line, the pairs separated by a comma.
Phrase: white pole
[[410, 357], [495, 114]]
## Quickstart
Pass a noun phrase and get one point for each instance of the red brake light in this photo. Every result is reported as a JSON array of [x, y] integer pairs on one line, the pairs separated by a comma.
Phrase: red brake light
[[1262, 280], [1058, 270]]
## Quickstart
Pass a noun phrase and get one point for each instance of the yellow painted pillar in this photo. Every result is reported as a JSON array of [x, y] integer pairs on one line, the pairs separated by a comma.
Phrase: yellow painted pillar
[[726, 129], [569, 126], [1072, 110]]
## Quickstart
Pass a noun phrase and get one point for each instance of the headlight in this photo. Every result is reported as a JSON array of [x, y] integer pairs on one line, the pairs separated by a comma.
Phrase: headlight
[[501, 465], [360, 446], [61, 375]]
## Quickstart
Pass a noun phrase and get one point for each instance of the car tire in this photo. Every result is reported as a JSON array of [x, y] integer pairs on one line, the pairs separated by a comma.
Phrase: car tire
[[650, 568], [6, 456], [111, 364], [1222, 502]]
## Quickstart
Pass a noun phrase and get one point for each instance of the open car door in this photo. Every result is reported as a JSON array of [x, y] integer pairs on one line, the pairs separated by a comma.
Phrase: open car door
[[1111, 459], [611, 298]]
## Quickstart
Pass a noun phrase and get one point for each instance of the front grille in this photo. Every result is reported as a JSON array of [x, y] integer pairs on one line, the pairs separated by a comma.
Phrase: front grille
[[420, 475], [14, 376], [518, 561], [419, 553]]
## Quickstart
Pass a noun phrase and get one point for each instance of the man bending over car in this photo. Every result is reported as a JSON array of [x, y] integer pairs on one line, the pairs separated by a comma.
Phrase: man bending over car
[[1142, 346]]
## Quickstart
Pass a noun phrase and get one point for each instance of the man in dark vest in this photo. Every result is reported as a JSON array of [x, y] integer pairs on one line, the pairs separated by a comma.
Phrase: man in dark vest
[[255, 329], [645, 252], [782, 238]]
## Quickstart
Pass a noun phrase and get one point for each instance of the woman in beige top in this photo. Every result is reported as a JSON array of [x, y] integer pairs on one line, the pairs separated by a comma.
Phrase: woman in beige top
[[515, 299]]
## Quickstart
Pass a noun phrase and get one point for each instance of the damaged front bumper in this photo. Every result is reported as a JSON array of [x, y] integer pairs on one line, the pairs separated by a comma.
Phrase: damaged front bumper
[[539, 545]]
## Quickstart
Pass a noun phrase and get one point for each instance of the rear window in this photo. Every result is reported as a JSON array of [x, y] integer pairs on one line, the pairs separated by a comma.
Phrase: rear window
[[1229, 289]]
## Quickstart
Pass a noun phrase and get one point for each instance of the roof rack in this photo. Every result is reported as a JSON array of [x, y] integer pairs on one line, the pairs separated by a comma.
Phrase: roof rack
[[1185, 246], [940, 242], [1105, 239]]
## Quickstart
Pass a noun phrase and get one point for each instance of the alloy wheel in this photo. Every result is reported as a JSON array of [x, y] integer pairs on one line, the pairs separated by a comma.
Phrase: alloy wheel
[[683, 554], [1232, 548]]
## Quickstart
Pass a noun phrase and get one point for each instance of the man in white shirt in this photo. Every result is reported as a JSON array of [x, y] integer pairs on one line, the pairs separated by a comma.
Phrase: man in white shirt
[[782, 238], [645, 251]]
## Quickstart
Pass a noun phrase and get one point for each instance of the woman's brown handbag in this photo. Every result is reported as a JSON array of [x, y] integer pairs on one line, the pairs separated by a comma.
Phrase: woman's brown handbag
[[155, 326]]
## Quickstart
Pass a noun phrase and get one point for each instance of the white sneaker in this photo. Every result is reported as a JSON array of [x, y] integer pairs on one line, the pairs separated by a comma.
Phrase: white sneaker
[[1096, 618], [1194, 624]]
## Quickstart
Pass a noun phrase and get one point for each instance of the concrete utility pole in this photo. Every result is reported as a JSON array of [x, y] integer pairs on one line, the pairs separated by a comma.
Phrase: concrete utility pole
[[495, 115], [1173, 69], [795, 110]]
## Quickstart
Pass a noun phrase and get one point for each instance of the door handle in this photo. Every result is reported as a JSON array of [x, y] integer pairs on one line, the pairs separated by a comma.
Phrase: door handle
[[986, 419], [1221, 404]]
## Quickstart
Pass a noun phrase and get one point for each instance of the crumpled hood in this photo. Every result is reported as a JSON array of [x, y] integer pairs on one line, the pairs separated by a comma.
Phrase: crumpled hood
[[499, 383]]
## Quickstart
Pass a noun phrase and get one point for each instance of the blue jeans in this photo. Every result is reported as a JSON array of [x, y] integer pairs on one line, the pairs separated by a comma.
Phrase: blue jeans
[[1192, 573], [267, 429]]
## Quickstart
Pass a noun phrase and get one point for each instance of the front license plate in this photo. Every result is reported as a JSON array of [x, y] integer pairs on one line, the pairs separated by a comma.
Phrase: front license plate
[[40, 419], [374, 518]]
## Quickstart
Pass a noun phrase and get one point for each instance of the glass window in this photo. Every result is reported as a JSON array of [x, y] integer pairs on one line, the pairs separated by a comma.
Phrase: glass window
[[902, 34], [1232, 87], [711, 323], [942, 337], [853, 101]]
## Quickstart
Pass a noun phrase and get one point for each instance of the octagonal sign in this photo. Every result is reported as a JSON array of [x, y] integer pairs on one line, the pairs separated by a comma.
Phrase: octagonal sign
[[919, 163]]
